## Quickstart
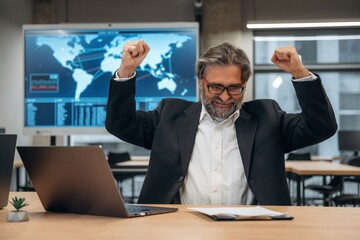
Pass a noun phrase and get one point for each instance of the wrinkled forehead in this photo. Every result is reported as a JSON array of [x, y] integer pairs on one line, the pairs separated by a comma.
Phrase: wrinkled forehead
[[223, 74]]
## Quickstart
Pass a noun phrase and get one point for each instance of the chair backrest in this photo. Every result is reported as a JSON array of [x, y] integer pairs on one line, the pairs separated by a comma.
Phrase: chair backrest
[[354, 162], [299, 156], [117, 157], [336, 182]]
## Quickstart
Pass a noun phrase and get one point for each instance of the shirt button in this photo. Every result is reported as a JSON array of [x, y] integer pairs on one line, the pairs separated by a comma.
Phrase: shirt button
[[181, 179]]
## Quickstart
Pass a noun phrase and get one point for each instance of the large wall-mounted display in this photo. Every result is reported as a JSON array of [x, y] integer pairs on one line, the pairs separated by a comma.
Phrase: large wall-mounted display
[[68, 68]]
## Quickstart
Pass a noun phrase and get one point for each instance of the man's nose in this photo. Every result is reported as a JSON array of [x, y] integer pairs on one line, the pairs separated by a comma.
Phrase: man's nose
[[224, 96]]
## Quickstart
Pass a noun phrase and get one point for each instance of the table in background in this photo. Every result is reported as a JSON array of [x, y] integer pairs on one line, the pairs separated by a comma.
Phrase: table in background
[[131, 169], [316, 168], [18, 166], [309, 223], [325, 158], [137, 166]]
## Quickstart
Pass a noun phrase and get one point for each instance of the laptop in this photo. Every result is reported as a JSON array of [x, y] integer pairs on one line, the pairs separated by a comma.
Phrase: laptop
[[78, 180], [7, 151]]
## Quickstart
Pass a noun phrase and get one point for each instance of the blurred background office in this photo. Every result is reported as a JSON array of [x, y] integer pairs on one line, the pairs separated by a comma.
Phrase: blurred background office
[[333, 52]]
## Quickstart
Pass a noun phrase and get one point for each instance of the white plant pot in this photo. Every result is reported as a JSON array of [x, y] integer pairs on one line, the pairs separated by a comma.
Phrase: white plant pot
[[17, 216]]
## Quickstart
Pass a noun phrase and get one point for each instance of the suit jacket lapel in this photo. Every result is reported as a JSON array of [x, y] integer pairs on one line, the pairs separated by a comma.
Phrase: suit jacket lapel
[[187, 128], [245, 133]]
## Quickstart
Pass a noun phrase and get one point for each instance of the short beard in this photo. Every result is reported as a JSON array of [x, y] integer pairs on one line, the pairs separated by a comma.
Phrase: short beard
[[216, 112]]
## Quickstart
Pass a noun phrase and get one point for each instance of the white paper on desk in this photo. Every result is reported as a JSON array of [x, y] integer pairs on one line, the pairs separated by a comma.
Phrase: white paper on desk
[[241, 213]]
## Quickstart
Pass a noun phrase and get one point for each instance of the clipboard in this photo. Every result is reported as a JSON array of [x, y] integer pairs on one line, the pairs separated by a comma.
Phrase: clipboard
[[242, 213]]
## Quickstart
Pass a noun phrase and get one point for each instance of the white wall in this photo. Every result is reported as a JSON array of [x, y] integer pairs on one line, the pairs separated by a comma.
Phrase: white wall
[[222, 22], [123, 10], [13, 13]]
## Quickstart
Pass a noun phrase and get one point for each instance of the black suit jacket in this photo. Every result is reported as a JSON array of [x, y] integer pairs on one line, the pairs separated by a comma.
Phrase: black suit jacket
[[264, 132]]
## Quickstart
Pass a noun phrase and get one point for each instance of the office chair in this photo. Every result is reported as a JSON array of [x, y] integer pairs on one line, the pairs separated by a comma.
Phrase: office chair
[[350, 199], [299, 156], [355, 161], [328, 190], [347, 199], [118, 157]]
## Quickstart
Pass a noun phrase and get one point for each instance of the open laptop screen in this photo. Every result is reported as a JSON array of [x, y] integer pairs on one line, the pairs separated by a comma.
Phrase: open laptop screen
[[76, 180], [7, 151]]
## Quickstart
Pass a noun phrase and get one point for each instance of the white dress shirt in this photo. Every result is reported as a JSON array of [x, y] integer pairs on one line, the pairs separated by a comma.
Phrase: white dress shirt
[[216, 173]]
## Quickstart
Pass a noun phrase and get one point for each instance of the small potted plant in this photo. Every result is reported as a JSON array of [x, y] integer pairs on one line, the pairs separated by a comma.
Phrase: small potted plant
[[18, 215]]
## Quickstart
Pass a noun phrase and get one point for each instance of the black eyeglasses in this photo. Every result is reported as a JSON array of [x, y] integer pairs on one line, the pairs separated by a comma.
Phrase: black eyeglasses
[[218, 89]]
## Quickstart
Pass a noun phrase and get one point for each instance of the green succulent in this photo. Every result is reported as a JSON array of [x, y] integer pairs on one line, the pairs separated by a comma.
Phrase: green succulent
[[18, 203]]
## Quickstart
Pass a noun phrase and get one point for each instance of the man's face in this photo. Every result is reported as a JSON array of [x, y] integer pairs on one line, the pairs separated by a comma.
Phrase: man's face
[[221, 105]]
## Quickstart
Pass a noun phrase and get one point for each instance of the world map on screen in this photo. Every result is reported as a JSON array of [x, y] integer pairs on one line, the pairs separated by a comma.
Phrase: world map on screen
[[81, 65]]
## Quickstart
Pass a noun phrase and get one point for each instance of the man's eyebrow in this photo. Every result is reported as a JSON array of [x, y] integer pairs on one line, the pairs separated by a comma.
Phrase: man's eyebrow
[[231, 85]]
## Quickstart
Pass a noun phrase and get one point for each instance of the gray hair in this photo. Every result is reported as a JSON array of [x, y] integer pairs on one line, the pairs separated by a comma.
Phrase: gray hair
[[224, 54]]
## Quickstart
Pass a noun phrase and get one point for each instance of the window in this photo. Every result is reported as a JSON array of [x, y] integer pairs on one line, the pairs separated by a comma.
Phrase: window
[[335, 55]]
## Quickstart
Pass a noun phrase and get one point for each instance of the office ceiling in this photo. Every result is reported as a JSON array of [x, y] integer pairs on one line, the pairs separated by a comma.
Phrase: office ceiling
[[304, 9]]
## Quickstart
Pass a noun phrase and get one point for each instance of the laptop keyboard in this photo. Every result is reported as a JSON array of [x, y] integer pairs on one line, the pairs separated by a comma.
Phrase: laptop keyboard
[[135, 209]]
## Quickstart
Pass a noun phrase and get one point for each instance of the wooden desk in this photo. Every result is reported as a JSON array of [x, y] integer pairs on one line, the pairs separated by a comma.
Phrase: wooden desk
[[316, 168], [312, 168], [131, 167], [325, 158], [309, 223]]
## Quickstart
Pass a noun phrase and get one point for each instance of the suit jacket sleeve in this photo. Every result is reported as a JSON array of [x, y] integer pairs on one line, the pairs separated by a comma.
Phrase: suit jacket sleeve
[[122, 119], [316, 122]]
